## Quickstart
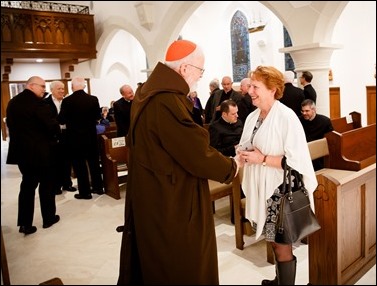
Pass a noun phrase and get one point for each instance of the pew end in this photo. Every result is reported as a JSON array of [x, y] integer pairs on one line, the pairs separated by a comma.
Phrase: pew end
[[345, 206], [114, 159]]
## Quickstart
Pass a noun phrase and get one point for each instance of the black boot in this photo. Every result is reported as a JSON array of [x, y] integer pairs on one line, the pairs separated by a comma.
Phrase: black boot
[[286, 272], [270, 282]]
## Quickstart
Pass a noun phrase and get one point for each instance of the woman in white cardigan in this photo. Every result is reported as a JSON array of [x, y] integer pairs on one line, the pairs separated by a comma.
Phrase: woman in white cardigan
[[272, 135]]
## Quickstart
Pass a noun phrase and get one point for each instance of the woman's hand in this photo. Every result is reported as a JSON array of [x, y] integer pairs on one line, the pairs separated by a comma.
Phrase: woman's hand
[[250, 157]]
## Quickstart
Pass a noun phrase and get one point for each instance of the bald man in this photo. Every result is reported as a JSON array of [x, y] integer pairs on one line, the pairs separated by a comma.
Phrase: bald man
[[122, 110], [32, 132]]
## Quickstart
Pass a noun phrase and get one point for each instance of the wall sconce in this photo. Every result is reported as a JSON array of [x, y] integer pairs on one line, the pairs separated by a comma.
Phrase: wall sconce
[[261, 43], [145, 13]]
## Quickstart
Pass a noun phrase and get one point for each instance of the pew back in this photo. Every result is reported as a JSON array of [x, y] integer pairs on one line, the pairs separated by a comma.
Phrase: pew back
[[352, 150], [347, 123]]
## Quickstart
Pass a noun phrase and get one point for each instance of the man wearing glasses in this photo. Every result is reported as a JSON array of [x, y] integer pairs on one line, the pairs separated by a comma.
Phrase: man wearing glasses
[[32, 136]]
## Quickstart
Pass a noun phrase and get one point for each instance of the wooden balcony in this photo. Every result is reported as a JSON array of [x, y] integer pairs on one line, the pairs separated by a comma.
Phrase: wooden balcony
[[46, 34]]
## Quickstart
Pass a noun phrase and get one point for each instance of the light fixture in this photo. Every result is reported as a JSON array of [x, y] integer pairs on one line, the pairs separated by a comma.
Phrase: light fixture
[[39, 60], [257, 26]]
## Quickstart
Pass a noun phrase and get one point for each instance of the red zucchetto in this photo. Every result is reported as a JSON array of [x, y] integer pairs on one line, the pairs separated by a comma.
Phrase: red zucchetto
[[179, 49]]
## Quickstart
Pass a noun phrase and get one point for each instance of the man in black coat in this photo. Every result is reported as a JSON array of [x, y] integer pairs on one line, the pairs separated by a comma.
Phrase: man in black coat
[[62, 154], [122, 110], [80, 113], [309, 91], [225, 133], [33, 132], [292, 95], [315, 126], [223, 94], [245, 106]]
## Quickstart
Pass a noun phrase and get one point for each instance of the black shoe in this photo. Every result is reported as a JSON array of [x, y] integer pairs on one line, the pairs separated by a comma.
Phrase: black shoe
[[98, 192], [28, 229], [83, 197], [55, 220], [69, 189], [58, 192]]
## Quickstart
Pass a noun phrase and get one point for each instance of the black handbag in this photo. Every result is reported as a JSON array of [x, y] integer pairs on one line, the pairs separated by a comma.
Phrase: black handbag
[[296, 219]]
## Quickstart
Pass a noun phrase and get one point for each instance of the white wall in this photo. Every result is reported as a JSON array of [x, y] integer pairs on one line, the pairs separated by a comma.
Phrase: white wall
[[354, 66]]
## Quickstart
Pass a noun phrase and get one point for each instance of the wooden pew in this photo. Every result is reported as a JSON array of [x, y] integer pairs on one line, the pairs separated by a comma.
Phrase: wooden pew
[[347, 123], [217, 191], [352, 150], [111, 130], [114, 158], [345, 205], [344, 249]]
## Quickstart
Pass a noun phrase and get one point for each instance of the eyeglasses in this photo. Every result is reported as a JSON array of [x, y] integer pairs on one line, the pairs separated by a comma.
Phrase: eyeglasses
[[41, 85], [201, 70]]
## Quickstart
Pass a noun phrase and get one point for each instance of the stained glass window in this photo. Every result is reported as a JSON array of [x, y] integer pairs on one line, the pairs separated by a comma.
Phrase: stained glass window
[[240, 46]]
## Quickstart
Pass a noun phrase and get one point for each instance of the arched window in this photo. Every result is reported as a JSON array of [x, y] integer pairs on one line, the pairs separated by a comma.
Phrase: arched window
[[289, 64], [239, 36]]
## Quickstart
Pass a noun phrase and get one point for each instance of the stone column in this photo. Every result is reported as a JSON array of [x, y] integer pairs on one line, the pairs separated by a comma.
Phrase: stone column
[[315, 58]]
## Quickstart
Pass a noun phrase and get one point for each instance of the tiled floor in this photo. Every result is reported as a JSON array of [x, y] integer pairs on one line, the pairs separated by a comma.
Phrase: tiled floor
[[83, 247]]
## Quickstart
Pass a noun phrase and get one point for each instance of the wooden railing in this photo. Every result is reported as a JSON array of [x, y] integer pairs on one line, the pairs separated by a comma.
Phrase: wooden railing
[[46, 34]]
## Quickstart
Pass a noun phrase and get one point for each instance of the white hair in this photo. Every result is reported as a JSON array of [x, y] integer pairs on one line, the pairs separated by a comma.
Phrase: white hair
[[289, 76]]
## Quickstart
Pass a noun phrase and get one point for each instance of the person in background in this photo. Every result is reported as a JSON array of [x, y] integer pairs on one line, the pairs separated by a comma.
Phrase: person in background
[[167, 188], [292, 95], [315, 126], [225, 132], [277, 137], [105, 117], [197, 111], [309, 91], [122, 110], [226, 93], [63, 156], [208, 109], [111, 110], [79, 111], [245, 106], [33, 132]]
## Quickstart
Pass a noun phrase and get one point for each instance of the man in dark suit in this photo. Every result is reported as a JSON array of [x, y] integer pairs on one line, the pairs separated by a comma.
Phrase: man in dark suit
[[315, 126], [33, 132], [309, 91], [122, 110], [208, 109], [226, 93], [63, 161], [225, 133], [80, 113], [292, 95], [245, 106]]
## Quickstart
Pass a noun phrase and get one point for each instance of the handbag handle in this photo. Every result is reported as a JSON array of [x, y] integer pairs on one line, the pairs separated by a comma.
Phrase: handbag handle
[[298, 181]]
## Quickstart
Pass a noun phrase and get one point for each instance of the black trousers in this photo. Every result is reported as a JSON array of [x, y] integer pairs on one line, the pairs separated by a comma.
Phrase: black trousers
[[84, 157], [32, 177]]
